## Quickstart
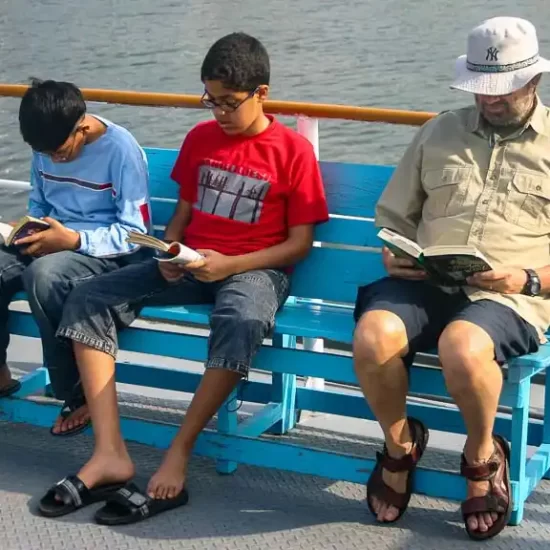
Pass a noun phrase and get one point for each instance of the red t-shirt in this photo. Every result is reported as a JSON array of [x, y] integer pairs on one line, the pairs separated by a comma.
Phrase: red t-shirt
[[247, 192]]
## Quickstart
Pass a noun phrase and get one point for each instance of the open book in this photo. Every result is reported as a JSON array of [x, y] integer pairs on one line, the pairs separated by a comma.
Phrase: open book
[[170, 252], [447, 264], [24, 227]]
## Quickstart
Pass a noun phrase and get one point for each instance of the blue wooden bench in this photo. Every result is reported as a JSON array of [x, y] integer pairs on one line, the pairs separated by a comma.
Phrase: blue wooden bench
[[332, 274]]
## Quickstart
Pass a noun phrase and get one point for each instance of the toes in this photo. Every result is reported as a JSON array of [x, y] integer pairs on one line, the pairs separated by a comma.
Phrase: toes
[[151, 489], [391, 514], [482, 526], [488, 519], [473, 524], [171, 492], [382, 511], [164, 492], [375, 505]]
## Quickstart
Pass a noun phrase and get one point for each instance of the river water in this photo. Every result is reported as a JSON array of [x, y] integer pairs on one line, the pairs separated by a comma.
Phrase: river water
[[395, 53]]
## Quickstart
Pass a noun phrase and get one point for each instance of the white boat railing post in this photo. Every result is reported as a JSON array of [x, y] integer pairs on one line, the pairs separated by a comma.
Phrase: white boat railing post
[[14, 185], [309, 128]]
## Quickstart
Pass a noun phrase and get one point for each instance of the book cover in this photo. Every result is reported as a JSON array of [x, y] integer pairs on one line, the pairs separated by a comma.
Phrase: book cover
[[25, 226]]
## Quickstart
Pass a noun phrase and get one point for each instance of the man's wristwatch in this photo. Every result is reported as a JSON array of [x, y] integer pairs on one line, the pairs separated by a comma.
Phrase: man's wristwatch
[[532, 286]]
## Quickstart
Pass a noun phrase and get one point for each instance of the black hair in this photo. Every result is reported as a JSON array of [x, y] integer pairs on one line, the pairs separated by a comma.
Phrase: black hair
[[239, 61], [49, 112]]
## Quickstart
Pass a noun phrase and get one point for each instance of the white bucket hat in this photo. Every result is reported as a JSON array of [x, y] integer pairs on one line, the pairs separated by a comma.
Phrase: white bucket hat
[[503, 56]]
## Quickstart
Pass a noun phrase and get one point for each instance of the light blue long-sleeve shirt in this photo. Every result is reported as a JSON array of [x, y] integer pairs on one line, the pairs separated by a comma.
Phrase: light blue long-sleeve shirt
[[102, 194]]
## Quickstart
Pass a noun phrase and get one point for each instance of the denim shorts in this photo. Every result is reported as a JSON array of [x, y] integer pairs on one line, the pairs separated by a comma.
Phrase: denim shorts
[[243, 312], [426, 310]]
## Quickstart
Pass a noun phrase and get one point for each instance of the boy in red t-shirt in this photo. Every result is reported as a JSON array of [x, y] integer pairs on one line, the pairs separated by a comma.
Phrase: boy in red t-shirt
[[250, 196]]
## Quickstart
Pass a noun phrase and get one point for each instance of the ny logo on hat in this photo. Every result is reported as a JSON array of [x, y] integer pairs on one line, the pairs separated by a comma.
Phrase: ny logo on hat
[[492, 54]]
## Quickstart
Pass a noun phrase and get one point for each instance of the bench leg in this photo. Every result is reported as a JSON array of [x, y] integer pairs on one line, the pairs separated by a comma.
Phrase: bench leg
[[227, 424], [284, 390], [546, 427], [518, 457]]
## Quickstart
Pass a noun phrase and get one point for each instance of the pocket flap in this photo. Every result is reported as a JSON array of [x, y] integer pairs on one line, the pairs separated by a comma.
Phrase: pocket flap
[[447, 176], [531, 184]]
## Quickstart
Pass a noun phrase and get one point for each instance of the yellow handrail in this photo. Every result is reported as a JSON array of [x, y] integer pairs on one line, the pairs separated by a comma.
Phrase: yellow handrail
[[292, 108]]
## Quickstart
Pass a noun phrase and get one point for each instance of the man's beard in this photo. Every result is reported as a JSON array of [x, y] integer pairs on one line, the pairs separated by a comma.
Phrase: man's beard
[[511, 118]]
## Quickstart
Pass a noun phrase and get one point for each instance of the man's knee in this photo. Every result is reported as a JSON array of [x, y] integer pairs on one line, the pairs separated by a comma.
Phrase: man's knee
[[379, 337], [464, 350]]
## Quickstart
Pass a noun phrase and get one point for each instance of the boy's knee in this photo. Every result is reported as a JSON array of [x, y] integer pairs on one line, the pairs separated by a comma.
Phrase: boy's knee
[[44, 279], [244, 324]]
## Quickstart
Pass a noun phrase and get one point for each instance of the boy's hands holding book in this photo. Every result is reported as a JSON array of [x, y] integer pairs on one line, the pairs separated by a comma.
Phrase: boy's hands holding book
[[401, 267], [214, 267], [506, 281], [54, 239]]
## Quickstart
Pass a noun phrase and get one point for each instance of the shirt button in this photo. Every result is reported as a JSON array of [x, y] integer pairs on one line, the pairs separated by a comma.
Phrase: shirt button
[[539, 188], [485, 202]]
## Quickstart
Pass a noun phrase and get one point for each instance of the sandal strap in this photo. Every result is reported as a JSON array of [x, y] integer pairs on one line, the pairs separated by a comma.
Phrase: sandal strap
[[71, 490], [404, 464], [480, 472], [388, 495], [491, 502], [132, 499], [407, 462]]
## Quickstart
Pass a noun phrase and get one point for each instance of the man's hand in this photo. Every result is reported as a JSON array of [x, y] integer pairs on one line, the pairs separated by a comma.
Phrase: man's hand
[[505, 281], [214, 266], [54, 239], [401, 267]]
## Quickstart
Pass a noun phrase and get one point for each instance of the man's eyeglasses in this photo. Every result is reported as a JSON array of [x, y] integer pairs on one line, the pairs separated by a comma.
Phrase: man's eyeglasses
[[227, 106]]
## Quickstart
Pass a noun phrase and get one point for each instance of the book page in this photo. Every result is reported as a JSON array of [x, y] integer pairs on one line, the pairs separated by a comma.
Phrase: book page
[[5, 231], [147, 240], [180, 254]]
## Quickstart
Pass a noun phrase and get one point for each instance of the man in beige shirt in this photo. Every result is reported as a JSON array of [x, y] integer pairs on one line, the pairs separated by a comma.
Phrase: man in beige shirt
[[478, 176]]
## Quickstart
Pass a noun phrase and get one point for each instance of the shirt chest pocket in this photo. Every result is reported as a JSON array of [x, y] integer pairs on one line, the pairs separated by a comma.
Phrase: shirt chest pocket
[[446, 190], [528, 201]]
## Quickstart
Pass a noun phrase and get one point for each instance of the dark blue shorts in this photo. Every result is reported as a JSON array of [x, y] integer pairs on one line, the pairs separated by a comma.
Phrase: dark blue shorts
[[426, 310]]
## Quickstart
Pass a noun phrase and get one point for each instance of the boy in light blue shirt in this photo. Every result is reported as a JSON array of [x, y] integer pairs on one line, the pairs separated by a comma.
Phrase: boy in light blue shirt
[[89, 180]]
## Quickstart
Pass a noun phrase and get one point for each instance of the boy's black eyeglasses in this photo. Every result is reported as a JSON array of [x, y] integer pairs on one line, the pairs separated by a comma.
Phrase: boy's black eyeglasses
[[226, 106]]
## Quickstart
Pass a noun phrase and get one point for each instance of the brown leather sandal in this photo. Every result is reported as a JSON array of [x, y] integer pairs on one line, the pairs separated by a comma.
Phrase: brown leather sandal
[[376, 486], [499, 498]]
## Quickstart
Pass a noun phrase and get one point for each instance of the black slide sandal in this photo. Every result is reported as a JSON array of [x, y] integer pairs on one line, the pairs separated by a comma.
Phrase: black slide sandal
[[68, 408], [130, 505], [74, 495], [13, 387]]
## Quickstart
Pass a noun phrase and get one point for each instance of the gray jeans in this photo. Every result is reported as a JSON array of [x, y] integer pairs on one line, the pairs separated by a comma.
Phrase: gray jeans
[[242, 316], [48, 281]]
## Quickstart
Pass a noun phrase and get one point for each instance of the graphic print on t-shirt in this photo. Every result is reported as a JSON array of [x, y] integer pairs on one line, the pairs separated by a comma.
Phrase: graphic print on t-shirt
[[231, 192]]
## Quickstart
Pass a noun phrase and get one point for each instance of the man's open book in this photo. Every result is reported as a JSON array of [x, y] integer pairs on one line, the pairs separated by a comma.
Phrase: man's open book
[[24, 227], [170, 252], [447, 264]]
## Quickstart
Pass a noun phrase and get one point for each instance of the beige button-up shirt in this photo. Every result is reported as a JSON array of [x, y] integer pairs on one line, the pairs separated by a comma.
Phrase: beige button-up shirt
[[458, 183]]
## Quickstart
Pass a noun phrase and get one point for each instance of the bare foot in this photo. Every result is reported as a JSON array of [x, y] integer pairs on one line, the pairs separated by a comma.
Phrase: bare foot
[[398, 482], [114, 467], [74, 420], [168, 481], [5, 376]]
